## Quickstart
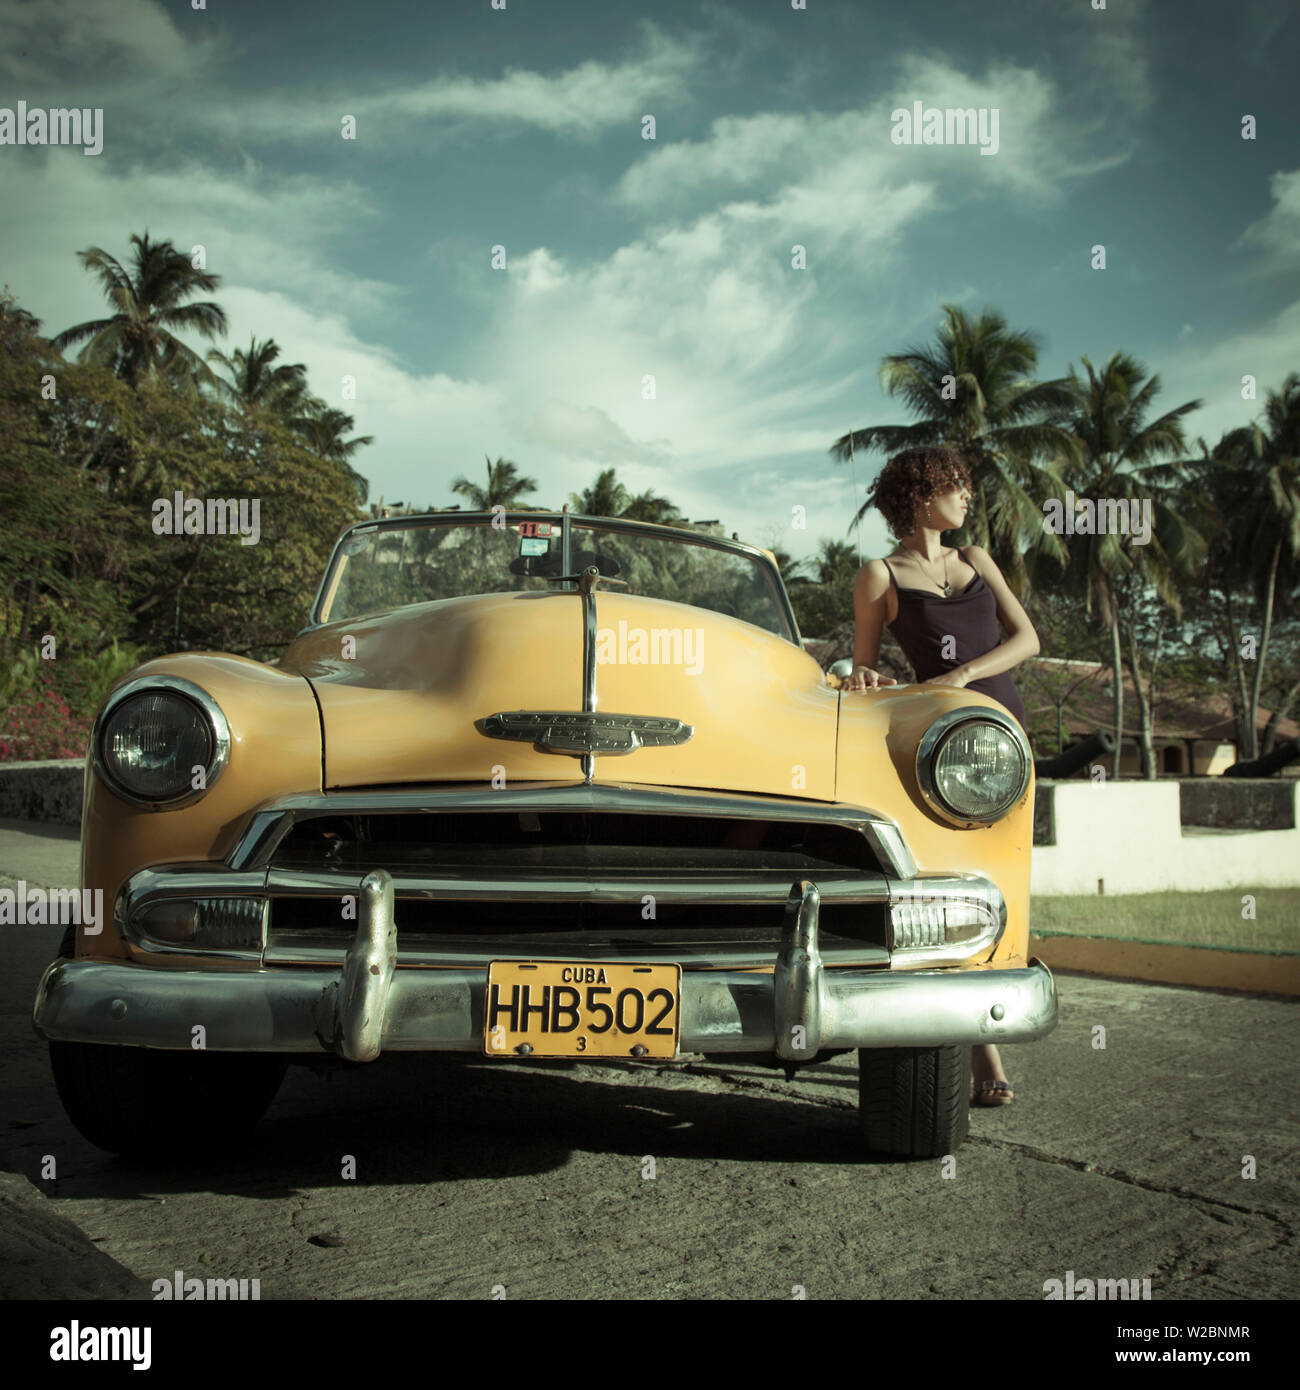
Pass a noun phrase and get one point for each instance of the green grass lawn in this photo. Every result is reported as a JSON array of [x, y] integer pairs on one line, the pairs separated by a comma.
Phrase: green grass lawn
[[1188, 919]]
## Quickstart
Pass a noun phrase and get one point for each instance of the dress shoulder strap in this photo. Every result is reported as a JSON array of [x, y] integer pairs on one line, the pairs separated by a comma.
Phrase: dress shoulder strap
[[890, 568]]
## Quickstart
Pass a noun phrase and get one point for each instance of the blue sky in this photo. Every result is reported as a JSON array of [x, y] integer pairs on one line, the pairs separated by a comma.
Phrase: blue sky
[[671, 258]]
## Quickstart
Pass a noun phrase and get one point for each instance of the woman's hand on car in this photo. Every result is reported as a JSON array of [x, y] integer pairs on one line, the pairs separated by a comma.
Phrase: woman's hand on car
[[864, 678]]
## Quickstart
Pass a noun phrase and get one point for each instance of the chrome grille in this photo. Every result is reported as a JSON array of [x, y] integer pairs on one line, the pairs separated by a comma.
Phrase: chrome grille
[[569, 870]]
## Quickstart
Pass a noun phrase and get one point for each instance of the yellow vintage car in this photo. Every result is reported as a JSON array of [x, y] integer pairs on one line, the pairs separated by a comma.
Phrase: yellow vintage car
[[539, 785]]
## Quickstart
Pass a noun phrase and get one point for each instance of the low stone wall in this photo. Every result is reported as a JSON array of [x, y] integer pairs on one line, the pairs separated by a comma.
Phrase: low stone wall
[[44, 791], [1145, 837], [1238, 803], [1207, 803]]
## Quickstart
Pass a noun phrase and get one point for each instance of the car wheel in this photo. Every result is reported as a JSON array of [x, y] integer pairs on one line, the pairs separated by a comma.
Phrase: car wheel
[[149, 1102], [914, 1101]]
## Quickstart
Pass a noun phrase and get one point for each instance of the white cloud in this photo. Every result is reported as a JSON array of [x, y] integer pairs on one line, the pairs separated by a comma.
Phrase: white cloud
[[119, 43], [1277, 233], [580, 101], [586, 430], [757, 366], [130, 58], [258, 231], [1213, 372], [428, 427], [739, 152], [705, 301], [836, 174]]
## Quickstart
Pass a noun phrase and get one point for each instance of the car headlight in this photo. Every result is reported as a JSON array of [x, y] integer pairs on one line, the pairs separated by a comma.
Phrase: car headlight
[[156, 738], [973, 765]]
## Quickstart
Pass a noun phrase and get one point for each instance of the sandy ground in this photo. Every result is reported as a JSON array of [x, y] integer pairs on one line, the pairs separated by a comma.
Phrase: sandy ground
[[533, 1180]]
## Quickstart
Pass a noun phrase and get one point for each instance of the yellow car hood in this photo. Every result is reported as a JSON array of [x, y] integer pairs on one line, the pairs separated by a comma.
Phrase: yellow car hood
[[402, 694]]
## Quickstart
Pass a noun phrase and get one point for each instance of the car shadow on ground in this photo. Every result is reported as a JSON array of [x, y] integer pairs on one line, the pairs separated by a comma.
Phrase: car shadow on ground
[[421, 1119]]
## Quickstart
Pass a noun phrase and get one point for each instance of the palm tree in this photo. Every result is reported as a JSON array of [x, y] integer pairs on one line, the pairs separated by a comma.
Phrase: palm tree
[[1118, 454], [608, 497], [253, 383], [790, 568], [975, 392], [649, 506], [505, 487], [137, 342], [1266, 465], [837, 562], [605, 497], [324, 430]]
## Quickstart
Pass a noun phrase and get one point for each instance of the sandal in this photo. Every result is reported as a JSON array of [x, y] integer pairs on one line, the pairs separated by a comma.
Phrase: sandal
[[993, 1093]]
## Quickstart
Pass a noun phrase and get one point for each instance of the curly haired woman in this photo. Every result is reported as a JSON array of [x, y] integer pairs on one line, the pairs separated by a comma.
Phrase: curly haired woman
[[943, 593]]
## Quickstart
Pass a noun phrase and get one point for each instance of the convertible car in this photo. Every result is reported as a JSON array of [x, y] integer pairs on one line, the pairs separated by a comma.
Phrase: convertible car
[[538, 785]]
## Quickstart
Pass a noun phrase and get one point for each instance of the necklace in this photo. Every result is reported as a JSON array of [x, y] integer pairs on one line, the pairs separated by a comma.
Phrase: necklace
[[947, 587]]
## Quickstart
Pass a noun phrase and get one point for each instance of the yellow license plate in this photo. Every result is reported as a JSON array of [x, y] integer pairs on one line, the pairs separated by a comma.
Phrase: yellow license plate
[[580, 1009]]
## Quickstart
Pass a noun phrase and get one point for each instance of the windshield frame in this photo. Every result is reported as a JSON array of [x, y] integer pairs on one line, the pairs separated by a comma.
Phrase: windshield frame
[[566, 520]]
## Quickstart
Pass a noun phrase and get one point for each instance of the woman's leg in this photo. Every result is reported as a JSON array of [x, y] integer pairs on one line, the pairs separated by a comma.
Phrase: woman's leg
[[986, 1065]]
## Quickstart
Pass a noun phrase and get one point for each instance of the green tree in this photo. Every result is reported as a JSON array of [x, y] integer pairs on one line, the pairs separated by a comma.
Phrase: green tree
[[506, 487], [324, 430], [605, 497], [1118, 469], [213, 590], [608, 497], [1265, 520], [139, 340], [824, 602], [975, 391], [70, 544], [649, 506], [791, 569], [254, 383], [836, 563]]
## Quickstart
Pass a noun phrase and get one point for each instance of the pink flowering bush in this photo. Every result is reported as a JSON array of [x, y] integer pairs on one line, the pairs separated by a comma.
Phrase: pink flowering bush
[[40, 724]]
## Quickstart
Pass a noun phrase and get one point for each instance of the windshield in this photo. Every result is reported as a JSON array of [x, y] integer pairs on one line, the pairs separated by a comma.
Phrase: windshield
[[388, 565]]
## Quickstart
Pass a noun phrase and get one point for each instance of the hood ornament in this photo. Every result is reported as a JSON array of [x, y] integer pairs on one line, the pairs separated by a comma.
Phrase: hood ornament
[[584, 733]]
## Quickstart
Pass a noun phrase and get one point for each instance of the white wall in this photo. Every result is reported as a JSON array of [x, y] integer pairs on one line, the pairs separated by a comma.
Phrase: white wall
[[1129, 835]]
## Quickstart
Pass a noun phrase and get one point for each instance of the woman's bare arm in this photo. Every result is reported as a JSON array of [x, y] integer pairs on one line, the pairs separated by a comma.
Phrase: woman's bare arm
[[870, 599], [1023, 640]]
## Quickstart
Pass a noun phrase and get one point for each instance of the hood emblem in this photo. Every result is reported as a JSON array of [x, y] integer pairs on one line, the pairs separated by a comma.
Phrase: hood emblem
[[585, 731]]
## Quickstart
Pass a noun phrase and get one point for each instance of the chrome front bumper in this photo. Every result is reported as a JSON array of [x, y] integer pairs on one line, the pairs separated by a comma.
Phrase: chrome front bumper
[[794, 1011]]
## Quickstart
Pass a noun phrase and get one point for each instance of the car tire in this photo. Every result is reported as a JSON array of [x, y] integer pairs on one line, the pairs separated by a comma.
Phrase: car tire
[[151, 1103], [914, 1101]]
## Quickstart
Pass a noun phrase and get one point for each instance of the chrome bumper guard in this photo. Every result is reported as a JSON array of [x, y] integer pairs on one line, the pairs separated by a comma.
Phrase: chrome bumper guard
[[368, 1007]]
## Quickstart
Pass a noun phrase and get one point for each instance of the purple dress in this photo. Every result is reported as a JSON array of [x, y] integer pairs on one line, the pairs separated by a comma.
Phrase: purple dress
[[971, 617]]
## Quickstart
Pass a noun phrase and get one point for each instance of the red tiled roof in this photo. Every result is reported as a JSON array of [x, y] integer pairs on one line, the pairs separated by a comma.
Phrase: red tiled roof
[[1089, 703], [1180, 713]]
